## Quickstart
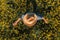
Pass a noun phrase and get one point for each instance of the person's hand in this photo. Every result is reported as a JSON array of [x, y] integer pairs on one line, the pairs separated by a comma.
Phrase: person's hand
[[31, 21], [16, 22]]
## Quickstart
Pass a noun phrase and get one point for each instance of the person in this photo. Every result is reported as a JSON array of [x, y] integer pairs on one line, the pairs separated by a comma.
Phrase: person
[[30, 21]]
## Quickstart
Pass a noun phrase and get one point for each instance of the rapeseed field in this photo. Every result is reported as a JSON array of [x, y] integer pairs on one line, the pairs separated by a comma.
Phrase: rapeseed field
[[11, 10]]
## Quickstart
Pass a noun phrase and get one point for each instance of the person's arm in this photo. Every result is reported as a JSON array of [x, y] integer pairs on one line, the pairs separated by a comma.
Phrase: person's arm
[[45, 20], [16, 22]]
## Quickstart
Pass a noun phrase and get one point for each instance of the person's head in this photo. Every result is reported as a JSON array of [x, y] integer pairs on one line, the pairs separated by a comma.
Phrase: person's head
[[30, 15], [30, 21]]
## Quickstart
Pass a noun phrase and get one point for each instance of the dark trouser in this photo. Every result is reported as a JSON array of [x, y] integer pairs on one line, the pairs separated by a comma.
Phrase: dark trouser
[[34, 5]]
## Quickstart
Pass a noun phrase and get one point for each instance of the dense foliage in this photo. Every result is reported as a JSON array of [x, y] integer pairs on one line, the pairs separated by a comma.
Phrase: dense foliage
[[11, 10]]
